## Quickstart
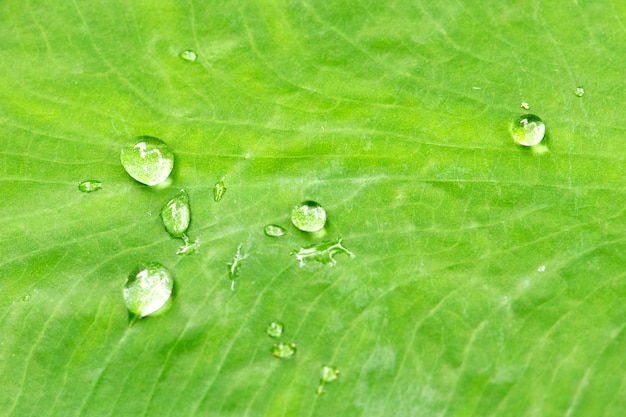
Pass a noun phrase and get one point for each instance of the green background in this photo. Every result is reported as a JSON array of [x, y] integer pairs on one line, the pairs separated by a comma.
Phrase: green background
[[488, 279]]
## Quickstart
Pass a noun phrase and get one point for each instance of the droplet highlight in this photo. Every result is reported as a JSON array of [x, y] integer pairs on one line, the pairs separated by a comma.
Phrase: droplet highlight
[[176, 215], [273, 230], [528, 130], [275, 329], [148, 161], [284, 350], [579, 91], [329, 374], [147, 290], [324, 252], [218, 191], [89, 186], [189, 55], [308, 216]]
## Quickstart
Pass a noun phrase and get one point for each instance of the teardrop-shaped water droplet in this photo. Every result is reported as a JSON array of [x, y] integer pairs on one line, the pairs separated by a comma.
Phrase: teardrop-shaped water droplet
[[528, 130], [218, 191], [147, 290], [275, 329], [176, 215], [308, 216], [284, 350], [189, 55], [274, 230], [329, 374], [149, 161], [90, 186]]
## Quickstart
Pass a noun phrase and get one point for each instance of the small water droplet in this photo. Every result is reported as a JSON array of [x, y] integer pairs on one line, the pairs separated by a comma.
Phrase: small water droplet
[[275, 329], [27, 298], [234, 266], [147, 290], [308, 216], [542, 268], [329, 374], [525, 105], [148, 161], [284, 350], [189, 55], [90, 186], [579, 91], [189, 246], [176, 215], [528, 130], [323, 252], [274, 230], [218, 191]]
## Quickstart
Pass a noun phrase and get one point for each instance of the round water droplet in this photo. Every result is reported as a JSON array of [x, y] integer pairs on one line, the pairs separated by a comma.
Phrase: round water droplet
[[274, 230], [329, 373], [275, 329], [542, 268], [90, 186], [579, 91], [27, 298], [147, 290], [284, 350], [149, 161], [528, 130], [189, 55], [176, 215], [308, 216]]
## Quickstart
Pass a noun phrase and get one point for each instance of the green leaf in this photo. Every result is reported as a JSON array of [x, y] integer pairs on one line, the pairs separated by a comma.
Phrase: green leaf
[[488, 279]]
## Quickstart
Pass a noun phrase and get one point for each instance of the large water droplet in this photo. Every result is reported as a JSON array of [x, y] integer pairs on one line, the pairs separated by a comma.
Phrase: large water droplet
[[275, 329], [176, 215], [218, 191], [308, 216], [234, 266], [149, 161], [284, 350], [189, 55], [147, 290], [323, 252], [329, 374], [579, 91], [528, 130], [274, 230], [90, 186]]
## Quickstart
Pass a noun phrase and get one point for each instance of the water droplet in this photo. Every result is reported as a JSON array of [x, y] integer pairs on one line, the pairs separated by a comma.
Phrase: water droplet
[[189, 246], [274, 230], [308, 216], [323, 252], [525, 105], [284, 350], [218, 191], [329, 374], [579, 91], [90, 186], [148, 161], [275, 329], [542, 268], [189, 55], [528, 130], [147, 290], [176, 215], [234, 266], [27, 298]]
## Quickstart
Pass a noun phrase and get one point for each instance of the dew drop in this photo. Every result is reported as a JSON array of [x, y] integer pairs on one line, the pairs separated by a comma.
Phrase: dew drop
[[579, 91], [147, 290], [148, 161], [218, 191], [27, 298], [284, 350], [90, 186], [323, 252], [274, 230], [176, 215], [275, 329], [189, 55], [308, 216], [542, 268], [528, 130], [329, 374]]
